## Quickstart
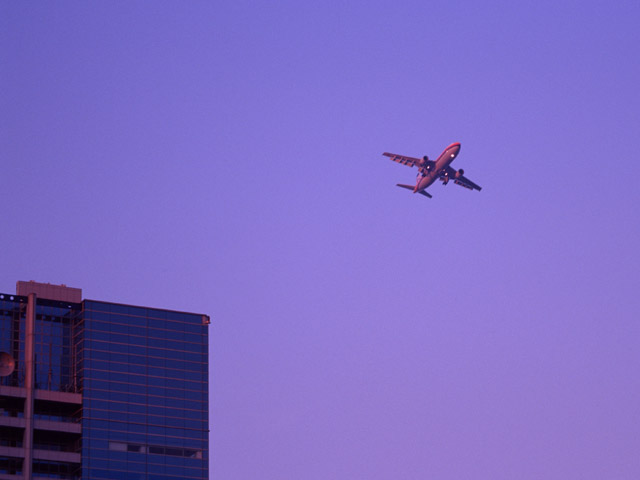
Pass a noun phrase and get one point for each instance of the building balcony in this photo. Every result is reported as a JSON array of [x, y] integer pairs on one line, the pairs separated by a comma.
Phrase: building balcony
[[6, 476], [58, 397], [56, 456], [13, 422], [53, 426], [47, 455], [46, 395], [15, 392], [12, 452]]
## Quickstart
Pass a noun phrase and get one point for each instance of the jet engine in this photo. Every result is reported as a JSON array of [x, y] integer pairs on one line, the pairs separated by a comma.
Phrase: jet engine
[[459, 173]]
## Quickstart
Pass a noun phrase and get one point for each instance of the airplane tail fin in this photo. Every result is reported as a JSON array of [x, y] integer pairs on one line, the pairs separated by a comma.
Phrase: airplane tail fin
[[411, 187]]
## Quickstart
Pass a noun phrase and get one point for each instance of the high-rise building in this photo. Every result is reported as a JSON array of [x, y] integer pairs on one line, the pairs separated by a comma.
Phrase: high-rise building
[[98, 390]]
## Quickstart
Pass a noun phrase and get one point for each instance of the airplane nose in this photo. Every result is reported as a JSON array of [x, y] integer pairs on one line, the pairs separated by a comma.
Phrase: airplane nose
[[453, 149]]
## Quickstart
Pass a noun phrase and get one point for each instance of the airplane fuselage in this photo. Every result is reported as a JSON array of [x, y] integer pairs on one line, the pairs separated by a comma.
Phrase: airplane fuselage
[[427, 176]]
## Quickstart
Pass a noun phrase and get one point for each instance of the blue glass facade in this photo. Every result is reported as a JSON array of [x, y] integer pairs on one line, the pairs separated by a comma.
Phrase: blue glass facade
[[130, 384], [144, 385]]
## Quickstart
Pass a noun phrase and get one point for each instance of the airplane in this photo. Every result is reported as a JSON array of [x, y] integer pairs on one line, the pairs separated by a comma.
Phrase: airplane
[[429, 170]]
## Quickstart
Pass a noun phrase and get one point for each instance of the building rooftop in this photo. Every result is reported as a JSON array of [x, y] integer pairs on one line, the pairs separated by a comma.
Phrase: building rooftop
[[49, 291]]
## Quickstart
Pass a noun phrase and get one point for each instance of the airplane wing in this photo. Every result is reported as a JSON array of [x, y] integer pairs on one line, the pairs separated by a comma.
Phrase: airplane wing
[[462, 180], [410, 161]]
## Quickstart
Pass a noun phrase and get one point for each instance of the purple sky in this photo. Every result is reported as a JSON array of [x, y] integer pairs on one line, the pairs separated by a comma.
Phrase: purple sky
[[225, 158]]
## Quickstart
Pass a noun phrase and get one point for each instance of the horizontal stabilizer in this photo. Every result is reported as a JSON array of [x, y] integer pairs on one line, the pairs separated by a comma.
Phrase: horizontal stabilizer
[[411, 187]]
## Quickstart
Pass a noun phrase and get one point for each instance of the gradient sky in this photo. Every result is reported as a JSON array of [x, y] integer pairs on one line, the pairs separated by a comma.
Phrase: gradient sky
[[225, 158]]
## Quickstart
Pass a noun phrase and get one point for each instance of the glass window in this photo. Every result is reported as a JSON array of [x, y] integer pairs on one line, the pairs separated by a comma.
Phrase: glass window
[[193, 405], [176, 403], [137, 340], [157, 381], [194, 328], [156, 362], [138, 369], [135, 408], [135, 418], [137, 350], [137, 320], [157, 468], [156, 430], [137, 330], [139, 389]]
